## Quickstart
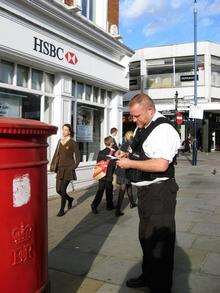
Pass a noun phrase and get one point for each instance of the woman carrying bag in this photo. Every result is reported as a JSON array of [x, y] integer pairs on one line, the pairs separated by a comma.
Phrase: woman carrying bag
[[65, 160]]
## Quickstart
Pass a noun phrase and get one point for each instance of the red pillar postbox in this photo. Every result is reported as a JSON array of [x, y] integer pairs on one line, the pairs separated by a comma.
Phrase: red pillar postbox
[[23, 205]]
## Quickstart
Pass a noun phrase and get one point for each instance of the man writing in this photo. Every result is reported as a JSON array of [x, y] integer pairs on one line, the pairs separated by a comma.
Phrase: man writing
[[150, 167]]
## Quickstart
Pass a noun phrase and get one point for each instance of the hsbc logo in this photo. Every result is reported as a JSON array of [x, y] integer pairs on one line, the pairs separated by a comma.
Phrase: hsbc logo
[[71, 58], [51, 50]]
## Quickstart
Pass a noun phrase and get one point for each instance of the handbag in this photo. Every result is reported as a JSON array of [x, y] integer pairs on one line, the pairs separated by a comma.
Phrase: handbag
[[100, 169]]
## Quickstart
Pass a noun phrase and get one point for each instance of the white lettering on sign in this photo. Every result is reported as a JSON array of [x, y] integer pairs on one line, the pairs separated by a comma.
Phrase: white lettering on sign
[[21, 190]]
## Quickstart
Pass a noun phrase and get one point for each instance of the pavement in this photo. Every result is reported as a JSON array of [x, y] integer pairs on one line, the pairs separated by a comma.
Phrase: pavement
[[97, 253]]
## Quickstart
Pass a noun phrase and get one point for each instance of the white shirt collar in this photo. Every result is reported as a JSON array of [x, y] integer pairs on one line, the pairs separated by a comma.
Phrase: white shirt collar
[[155, 117]]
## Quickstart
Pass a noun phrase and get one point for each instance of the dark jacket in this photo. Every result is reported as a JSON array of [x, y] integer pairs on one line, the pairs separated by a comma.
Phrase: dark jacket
[[121, 173], [68, 159], [111, 166], [115, 145]]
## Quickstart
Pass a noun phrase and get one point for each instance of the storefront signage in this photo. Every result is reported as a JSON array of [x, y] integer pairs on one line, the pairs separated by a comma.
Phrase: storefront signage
[[188, 77], [51, 50], [46, 48]]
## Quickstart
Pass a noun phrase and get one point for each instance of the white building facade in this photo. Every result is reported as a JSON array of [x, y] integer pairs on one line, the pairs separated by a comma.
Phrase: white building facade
[[166, 74], [59, 64]]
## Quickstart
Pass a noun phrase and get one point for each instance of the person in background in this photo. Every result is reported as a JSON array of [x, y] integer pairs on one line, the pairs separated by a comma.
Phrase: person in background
[[65, 161], [124, 183], [113, 134], [105, 184], [187, 144]]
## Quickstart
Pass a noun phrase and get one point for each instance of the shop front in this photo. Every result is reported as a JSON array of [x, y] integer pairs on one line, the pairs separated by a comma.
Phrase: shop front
[[49, 75]]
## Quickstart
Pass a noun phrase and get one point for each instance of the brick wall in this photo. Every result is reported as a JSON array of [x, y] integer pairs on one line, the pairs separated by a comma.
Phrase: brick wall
[[113, 12]]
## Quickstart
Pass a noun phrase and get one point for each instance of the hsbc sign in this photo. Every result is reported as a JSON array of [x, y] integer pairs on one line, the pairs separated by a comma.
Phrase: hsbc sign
[[64, 54], [53, 51]]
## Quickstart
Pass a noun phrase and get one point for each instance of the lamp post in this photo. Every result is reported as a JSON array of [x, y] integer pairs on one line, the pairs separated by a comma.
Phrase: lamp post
[[143, 74], [176, 101], [194, 150]]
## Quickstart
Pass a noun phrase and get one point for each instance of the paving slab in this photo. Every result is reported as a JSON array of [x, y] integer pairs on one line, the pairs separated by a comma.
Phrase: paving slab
[[73, 261], [64, 282], [196, 283], [208, 229], [113, 270], [111, 288], [210, 244], [90, 285], [212, 264], [189, 259], [184, 239]]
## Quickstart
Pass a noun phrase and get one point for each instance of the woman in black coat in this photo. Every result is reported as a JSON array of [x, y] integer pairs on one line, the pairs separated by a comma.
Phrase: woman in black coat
[[123, 183]]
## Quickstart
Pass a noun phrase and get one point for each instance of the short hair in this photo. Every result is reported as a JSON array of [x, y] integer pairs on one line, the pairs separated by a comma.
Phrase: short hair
[[113, 129], [129, 135], [70, 129], [108, 141], [142, 99]]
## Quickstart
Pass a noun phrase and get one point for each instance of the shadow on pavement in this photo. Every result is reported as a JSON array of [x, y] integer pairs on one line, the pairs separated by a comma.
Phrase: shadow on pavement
[[73, 257], [181, 274], [86, 194]]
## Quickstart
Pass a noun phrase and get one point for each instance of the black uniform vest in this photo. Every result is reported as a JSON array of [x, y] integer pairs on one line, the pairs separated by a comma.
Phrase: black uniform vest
[[138, 153]]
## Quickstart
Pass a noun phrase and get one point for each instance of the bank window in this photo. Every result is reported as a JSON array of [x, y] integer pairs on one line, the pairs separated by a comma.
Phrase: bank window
[[95, 94], [102, 97], [31, 107], [36, 79], [88, 8], [88, 92], [10, 104], [6, 72], [48, 82], [109, 96], [73, 105], [22, 75], [88, 131], [47, 109], [80, 90], [73, 88]]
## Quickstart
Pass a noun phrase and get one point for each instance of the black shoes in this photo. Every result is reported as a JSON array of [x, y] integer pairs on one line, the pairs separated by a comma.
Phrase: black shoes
[[133, 205], [94, 210], [70, 203], [136, 282], [118, 213], [61, 213], [141, 282]]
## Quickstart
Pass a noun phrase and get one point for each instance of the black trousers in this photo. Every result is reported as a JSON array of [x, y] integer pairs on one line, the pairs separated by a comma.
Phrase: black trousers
[[61, 187], [156, 207], [121, 193], [106, 186]]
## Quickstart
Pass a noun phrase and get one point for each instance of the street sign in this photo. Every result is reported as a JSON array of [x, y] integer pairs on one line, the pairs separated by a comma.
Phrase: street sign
[[196, 112], [179, 118], [190, 77]]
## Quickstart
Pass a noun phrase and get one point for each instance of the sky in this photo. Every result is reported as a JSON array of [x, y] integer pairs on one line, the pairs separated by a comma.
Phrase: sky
[[147, 23]]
